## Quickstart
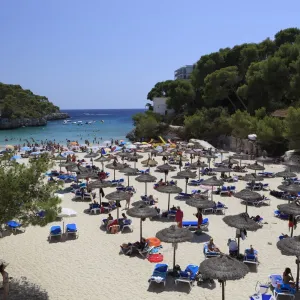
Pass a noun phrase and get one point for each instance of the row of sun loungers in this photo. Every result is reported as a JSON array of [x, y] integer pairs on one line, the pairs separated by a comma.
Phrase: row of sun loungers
[[188, 276], [125, 224], [56, 231], [281, 289], [258, 186]]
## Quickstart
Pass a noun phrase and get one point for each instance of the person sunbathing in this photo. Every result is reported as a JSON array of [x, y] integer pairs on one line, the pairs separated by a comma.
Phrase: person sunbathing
[[211, 247], [288, 277]]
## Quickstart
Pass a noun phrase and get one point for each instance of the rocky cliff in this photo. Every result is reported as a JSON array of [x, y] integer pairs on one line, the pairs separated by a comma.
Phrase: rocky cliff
[[6, 123], [57, 116], [17, 123]]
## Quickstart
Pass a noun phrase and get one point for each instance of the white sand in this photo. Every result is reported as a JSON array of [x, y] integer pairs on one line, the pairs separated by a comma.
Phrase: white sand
[[91, 267]]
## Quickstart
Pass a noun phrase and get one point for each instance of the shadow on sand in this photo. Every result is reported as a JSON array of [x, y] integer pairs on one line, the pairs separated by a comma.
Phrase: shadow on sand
[[21, 289]]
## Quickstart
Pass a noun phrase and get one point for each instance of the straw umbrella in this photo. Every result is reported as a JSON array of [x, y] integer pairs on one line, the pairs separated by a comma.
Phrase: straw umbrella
[[115, 166], [186, 174], [102, 159], [149, 163], [91, 155], [212, 181], [240, 157], [169, 189], [174, 235], [129, 172], [100, 185], [241, 221], [209, 157], [223, 268], [222, 152], [290, 188], [252, 177], [118, 196], [165, 168], [264, 159], [291, 247], [142, 212], [164, 153], [286, 174], [84, 175], [222, 170], [230, 161], [256, 167], [292, 208], [200, 203], [247, 196], [146, 178], [199, 164]]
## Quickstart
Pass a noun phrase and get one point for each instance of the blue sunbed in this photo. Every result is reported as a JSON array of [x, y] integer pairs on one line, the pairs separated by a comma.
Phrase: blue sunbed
[[159, 274]]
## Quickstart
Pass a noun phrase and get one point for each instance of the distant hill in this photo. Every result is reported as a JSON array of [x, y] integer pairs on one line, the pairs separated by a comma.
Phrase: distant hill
[[17, 103]]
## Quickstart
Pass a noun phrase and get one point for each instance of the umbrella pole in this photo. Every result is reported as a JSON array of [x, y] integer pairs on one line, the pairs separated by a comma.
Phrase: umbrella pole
[[145, 188], [165, 177], [292, 231], [114, 174], [141, 229], [186, 183], [297, 276], [100, 197], [174, 256], [198, 173], [128, 181], [246, 206], [212, 191], [223, 291], [63, 226], [169, 202], [117, 211], [239, 244]]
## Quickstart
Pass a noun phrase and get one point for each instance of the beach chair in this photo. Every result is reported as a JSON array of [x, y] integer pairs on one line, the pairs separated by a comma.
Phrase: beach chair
[[14, 226], [194, 224], [195, 182], [71, 229], [250, 258], [280, 215], [220, 207], [159, 274], [207, 253], [127, 224], [188, 275], [171, 214], [281, 289], [55, 231], [224, 191], [184, 196]]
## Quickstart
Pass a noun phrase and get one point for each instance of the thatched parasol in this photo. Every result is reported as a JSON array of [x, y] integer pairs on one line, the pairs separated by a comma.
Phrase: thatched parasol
[[174, 235], [199, 164], [59, 157], [169, 189], [241, 221], [209, 157], [186, 175], [222, 170], [247, 196], [200, 203], [91, 155], [290, 188], [165, 168], [230, 161], [123, 154], [256, 167], [222, 152], [212, 181], [129, 172], [264, 159], [102, 159], [146, 178], [291, 247], [115, 166], [84, 175], [223, 268], [142, 212], [149, 163], [240, 157], [252, 177], [286, 174], [100, 185], [164, 153], [118, 196], [292, 208]]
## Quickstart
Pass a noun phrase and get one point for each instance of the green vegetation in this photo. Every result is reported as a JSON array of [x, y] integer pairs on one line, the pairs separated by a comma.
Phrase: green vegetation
[[16, 102], [24, 192], [235, 90]]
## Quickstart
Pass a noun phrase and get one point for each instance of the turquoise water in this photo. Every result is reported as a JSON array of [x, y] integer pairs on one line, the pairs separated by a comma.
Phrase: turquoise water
[[117, 123]]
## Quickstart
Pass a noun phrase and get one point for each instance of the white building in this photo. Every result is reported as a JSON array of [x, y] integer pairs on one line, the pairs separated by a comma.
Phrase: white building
[[160, 106], [184, 72]]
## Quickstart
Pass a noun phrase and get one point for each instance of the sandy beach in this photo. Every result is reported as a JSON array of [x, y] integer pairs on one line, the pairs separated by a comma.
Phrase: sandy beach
[[91, 268]]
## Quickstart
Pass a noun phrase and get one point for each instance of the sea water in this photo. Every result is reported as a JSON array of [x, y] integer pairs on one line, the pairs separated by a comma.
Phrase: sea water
[[103, 123]]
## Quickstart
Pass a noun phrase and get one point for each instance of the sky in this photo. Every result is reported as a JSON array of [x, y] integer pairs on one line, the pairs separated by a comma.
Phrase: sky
[[109, 54]]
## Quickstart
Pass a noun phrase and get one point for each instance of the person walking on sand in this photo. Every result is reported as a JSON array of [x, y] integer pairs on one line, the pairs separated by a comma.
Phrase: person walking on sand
[[179, 217], [128, 200], [5, 281]]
